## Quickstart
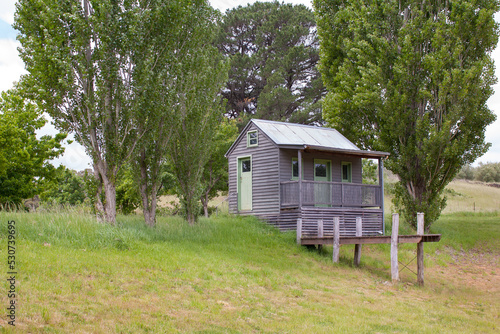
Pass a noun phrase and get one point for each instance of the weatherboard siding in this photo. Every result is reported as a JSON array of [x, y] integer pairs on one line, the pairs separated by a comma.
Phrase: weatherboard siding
[[286, 156], [265, 175]]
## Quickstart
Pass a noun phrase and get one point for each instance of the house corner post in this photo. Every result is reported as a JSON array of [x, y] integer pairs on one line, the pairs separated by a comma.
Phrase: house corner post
[[299, 158], [420, 249], [381, 184]]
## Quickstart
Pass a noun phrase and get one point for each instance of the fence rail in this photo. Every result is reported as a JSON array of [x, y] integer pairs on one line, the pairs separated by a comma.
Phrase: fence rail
[[330, 194]]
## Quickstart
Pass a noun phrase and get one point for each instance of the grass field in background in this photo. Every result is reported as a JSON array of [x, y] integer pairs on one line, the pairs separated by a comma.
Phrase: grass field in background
[[235, 274], [463, 196]]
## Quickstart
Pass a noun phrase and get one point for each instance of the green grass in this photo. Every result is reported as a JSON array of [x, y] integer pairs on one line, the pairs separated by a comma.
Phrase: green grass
[[238, 275]]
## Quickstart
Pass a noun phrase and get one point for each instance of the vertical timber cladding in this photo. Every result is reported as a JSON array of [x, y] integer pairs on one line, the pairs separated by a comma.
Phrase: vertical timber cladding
[[265, 174]]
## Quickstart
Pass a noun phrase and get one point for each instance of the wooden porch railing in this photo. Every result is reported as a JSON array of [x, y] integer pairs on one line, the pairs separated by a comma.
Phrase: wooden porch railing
[[332, 194]]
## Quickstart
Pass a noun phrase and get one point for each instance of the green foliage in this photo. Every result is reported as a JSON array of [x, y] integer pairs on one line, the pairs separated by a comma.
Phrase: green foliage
[[90, 186], [370, 172], [172, 31], [24, 159], [488, 172], [274, 51], [215, 173], [67, 188], [78, 55], [199, 106], [411, 79], [466, 173], [127, 194]]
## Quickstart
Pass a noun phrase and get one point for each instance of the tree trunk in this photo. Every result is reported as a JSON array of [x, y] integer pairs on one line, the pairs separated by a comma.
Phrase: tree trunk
[[109, 191], [99, 207], [191, 218], [204, 202], [110, 205], [149, 209]]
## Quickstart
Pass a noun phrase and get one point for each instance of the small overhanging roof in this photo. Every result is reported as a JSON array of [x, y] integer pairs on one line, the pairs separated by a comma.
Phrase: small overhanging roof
[[358, 152], [306, 137]]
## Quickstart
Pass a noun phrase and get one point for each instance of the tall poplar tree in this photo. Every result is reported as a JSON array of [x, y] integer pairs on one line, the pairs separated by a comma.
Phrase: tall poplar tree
[[200, 110], [174, 65], [411, 78], [78, 55]]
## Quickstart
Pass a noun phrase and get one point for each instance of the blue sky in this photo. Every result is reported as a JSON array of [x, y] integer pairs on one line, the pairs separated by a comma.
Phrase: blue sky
[[11, 68]]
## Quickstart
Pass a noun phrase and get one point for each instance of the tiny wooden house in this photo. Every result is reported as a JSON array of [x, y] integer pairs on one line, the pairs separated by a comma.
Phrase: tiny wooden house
[[264, 167]]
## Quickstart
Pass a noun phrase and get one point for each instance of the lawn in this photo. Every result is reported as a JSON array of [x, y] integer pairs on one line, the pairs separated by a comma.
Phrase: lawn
[[235, 274]]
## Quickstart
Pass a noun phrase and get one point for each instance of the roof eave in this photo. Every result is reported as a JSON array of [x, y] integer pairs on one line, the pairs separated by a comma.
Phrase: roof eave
[[371, 154]]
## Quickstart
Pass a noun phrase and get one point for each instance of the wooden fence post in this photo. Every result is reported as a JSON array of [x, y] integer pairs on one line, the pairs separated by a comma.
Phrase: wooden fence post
[[299, 230], [336, 239], [420, 249], [357, 247], [394, 248], [320, 233]]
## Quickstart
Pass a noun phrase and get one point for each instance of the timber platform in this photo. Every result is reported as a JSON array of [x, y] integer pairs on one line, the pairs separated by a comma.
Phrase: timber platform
[[314, 234], [374, 239]]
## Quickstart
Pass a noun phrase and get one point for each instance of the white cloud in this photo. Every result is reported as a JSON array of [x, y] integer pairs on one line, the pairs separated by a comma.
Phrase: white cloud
[[11, 66], [8, 9]]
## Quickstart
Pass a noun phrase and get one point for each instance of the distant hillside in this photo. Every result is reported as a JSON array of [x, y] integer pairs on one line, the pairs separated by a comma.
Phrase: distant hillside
[[465, 195]]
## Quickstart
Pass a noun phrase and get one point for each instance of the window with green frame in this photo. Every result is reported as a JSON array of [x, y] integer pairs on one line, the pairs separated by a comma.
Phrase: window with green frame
[[252, 138], [295, 169], [346, 171]]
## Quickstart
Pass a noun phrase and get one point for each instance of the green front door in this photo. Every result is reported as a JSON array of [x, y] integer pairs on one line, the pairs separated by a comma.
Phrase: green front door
[[244, 184], [322, 191]]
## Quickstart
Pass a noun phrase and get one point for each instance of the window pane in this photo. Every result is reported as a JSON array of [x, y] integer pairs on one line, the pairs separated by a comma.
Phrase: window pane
[[345, 172], [295, 168], [320, 170], [252, 138], [245, 166]]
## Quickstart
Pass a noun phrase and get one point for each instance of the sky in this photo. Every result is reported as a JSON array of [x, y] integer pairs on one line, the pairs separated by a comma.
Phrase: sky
[[11, 68]]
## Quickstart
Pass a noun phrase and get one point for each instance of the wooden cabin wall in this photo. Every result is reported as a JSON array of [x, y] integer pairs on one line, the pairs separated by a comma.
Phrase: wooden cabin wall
[[286, 156], [265, 174]]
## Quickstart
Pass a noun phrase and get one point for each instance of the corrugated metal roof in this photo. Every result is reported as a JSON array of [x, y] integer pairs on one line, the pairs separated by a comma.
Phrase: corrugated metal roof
[[284, 134]]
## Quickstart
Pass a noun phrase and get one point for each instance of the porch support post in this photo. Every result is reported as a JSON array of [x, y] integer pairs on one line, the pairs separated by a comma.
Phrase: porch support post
[[381, 184], [320, 233], [299, 157], [357, 247], [420, 249]]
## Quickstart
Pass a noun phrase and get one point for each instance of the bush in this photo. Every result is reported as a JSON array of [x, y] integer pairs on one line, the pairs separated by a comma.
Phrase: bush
[[489, 172]]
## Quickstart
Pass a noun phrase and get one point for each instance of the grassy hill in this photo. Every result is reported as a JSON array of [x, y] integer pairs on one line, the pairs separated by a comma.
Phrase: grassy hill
[[234, 274], [463, 196]]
